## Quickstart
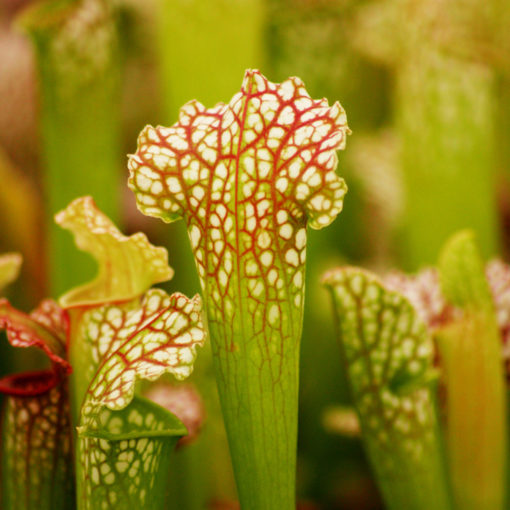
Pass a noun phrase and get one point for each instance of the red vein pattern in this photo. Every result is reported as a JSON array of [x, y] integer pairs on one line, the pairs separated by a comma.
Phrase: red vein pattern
[[37, 466], [120, 331], [45, 328], [247, 177], [156, 335], [36, 449], [159, 336], [127, 267]]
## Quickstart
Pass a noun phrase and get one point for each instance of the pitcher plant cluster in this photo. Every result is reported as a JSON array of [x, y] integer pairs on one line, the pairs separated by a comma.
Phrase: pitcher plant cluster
[[248, 178]]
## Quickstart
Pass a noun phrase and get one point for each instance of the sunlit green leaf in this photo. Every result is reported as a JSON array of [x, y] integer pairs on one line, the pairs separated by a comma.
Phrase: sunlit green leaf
[[121, 331]]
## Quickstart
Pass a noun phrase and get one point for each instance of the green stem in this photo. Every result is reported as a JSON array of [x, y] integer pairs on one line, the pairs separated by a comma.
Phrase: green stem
[[444, 101], [77, 58], [475, 384], [258, 389]]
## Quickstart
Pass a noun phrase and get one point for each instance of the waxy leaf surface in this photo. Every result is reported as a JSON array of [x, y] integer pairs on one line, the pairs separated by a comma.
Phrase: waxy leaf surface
[[247, 177], [121, 331], [389, 355], [270, 139]]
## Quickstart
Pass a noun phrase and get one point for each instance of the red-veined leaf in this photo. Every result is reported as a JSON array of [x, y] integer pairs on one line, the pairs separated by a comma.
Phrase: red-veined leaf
[[248, 177], [124, 448], [37, 467], [45, 328]]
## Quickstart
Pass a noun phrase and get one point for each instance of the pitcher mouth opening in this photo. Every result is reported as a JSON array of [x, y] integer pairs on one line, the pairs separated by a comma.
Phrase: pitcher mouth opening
[[28, 384]]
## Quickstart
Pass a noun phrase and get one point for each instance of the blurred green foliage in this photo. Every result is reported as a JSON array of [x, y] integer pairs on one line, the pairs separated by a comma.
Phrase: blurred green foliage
[[78, 65], [470, 348]]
